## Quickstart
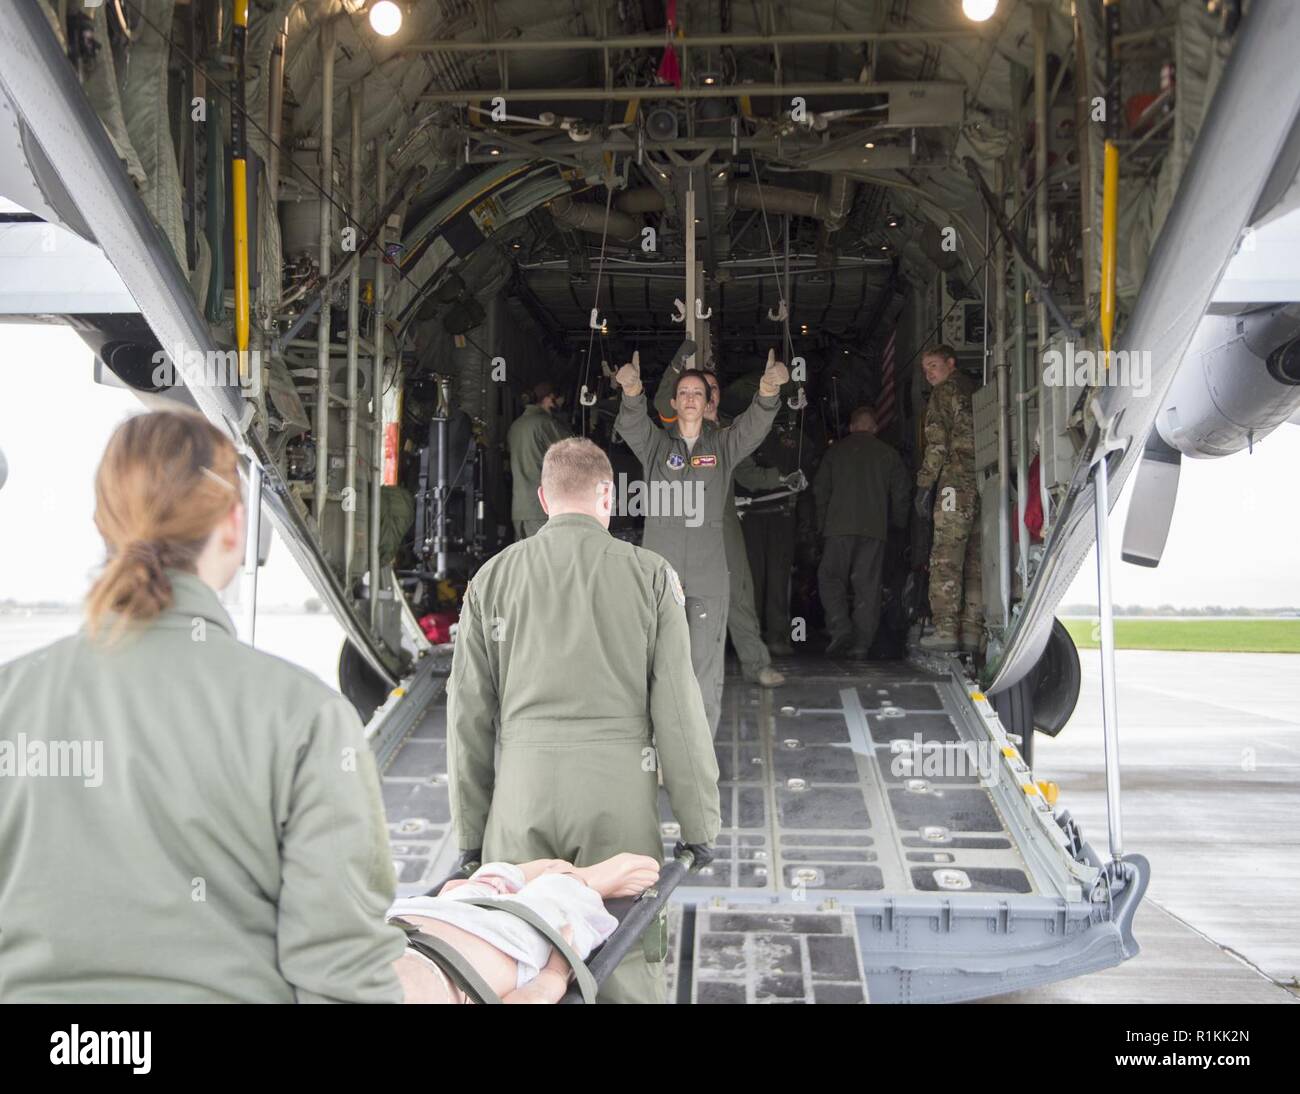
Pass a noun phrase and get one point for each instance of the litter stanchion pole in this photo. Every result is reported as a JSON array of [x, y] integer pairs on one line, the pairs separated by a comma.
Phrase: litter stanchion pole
[[642, 914], [1109, 705]]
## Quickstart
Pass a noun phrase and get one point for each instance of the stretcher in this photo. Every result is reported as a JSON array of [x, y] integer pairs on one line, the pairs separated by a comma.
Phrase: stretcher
[[634, 915]]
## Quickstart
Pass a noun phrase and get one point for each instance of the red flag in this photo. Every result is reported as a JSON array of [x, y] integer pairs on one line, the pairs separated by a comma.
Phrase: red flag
[[670, 72], [885, 401]]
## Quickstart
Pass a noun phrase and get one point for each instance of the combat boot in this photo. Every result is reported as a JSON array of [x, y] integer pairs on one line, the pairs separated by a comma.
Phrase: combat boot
[[939, 642], [839, 645], [970, 641]]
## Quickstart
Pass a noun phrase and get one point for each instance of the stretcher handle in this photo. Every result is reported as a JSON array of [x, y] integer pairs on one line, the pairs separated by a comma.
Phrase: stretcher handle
[[643, 912]]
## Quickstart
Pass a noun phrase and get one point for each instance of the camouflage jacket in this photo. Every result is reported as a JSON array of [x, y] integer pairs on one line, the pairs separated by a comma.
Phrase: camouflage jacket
[[949, 436]]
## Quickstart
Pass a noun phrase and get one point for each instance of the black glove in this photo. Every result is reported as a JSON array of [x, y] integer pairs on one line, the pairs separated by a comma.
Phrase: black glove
[[470, 860], [925, 503], [702, 851]]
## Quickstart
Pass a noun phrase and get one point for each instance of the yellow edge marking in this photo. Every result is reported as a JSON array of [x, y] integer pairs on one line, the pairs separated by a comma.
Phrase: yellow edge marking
[[978, 696]]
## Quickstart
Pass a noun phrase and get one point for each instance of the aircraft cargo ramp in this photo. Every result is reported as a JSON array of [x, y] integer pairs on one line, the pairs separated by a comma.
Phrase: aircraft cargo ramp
[[881, 842]]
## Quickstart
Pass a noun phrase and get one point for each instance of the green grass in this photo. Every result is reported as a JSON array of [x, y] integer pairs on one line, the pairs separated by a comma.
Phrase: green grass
[[1202, 635]]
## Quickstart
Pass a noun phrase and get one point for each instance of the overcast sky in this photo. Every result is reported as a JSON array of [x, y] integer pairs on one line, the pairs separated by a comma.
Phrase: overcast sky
[[1234, 540], [54, 423]]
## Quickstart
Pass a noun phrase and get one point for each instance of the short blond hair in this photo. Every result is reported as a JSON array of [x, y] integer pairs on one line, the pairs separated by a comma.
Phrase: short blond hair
[[573, 469]]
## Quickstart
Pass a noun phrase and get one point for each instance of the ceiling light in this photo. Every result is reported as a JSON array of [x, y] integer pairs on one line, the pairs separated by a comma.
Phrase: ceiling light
[[977, 11], [385, 18], [893, 222], [869, 144]]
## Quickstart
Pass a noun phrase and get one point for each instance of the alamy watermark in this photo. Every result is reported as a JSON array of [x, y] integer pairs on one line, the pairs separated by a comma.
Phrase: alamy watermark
[[1085, 368], [660, 498], [24, 759], [207, 368], [922, 759]]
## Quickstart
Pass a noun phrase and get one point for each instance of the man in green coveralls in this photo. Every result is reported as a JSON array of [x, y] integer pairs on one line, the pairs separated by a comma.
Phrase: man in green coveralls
[[576, 644], [530, 435]]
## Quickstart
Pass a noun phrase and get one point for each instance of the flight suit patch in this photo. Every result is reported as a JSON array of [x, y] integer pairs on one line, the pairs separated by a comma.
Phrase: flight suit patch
[[675, 586], [704, 461], [676, 461]]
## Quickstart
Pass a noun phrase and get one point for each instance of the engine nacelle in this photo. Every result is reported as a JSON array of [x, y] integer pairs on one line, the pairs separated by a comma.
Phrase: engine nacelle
[[1239, 380]]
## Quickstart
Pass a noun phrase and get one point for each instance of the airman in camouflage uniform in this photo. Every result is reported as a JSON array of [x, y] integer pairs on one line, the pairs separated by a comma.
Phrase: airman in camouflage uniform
[[946, 485]]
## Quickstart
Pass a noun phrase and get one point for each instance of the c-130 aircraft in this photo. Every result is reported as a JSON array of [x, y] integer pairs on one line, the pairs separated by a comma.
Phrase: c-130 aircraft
[[354, 233]]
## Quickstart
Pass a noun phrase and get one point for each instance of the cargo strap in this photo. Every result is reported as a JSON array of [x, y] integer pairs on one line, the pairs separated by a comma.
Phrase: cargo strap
[[450, 960], [586, 982]]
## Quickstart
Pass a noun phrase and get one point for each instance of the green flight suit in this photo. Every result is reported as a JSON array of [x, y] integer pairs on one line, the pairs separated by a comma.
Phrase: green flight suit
[[230, 848], [948, 468], [742, 616], [575, 645], [770, 537], [742, 611], [528, 438], [694, 541], [861, 490]]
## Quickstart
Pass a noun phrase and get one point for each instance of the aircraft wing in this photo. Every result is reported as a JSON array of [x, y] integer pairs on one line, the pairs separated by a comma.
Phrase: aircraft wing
[[1231, 167]]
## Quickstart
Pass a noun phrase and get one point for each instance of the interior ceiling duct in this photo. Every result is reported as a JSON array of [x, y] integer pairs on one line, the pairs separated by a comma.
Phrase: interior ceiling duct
[[590, 216], [779, 200], [644, 199]]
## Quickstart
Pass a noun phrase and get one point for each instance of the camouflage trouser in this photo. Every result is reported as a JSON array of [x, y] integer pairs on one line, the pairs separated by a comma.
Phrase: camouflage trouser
[[955, 579]]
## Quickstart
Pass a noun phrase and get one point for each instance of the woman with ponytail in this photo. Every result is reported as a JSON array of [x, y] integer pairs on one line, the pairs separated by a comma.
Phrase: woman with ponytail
[[183, 818]]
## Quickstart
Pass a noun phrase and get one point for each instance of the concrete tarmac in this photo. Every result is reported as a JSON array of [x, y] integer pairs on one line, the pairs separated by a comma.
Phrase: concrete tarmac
[[1210, 794]]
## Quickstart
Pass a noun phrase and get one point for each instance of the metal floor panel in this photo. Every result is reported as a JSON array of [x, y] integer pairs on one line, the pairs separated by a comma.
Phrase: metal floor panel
[[822, 793], [858, 858]]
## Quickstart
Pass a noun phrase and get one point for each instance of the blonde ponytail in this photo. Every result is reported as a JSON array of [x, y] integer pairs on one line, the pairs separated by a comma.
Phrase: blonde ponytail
[[165, 481]]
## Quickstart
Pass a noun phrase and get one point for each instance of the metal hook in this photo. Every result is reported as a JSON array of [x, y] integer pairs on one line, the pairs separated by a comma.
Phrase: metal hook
[[799, 400], [587, 398], [680, 306], [700, 313], [779, 314], [596, 321], [1109, 441]]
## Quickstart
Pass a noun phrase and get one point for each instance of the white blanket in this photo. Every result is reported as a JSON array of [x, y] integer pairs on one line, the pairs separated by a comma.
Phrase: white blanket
[[560, 899]]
